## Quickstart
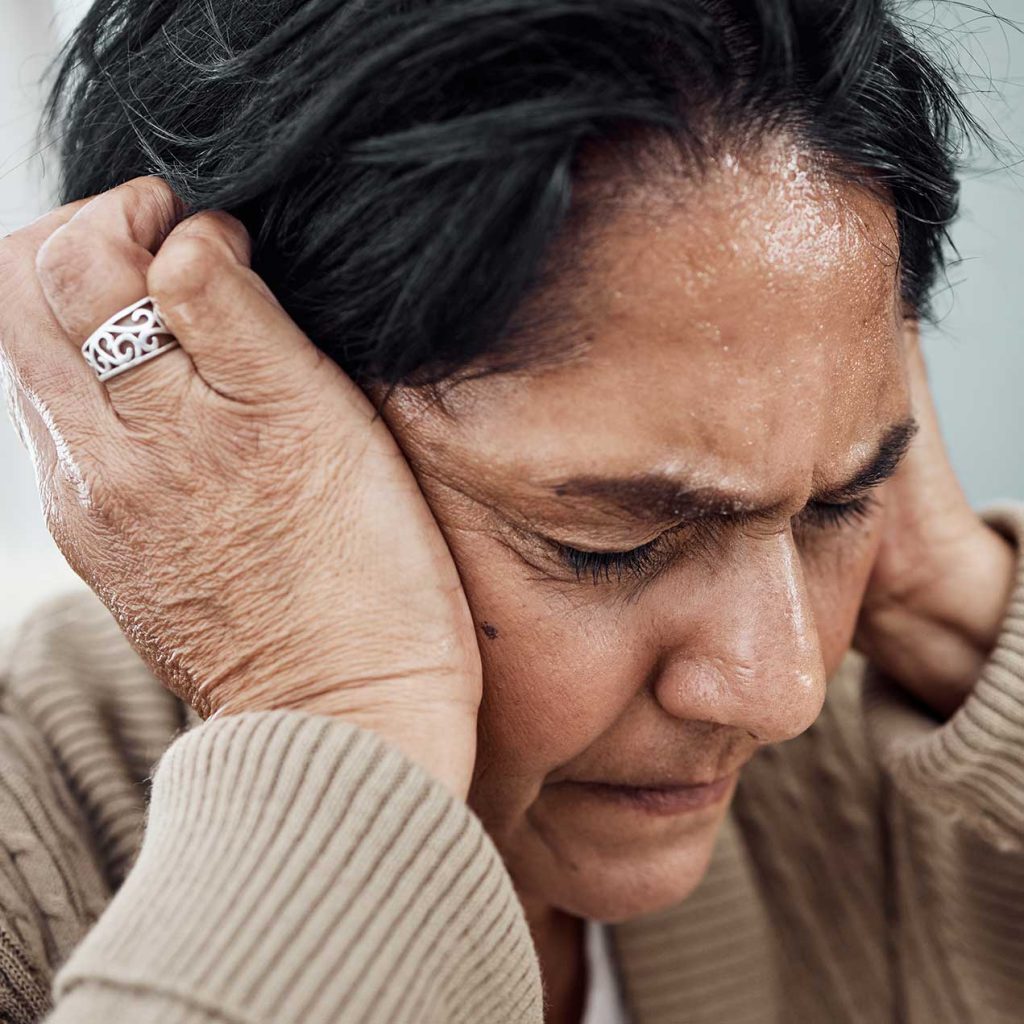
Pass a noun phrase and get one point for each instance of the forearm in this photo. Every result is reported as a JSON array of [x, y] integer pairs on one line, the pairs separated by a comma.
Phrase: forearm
[[293, 865]]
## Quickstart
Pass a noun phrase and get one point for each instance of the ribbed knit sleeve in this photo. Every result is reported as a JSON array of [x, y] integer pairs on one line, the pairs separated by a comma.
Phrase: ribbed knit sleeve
[[296, 869], [971, 767]]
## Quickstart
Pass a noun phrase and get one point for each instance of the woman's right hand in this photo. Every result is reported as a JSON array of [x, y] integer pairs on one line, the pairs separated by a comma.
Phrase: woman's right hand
[[255, 531]]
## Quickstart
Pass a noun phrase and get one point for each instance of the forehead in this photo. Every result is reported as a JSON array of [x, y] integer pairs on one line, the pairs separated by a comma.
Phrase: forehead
[[727, 321]]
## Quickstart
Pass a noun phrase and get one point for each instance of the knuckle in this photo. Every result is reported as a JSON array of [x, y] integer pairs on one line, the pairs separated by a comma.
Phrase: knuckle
[[108, 491], [223, 229], [152, 195], [61, 259], [152, 183], [183, 268], [231, 232]]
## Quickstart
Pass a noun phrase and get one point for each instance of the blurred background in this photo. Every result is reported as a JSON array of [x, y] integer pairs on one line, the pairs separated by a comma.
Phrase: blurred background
[[975, 355]]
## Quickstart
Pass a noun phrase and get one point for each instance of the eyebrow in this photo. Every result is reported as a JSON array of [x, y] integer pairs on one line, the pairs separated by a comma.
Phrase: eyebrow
[[659, 498]]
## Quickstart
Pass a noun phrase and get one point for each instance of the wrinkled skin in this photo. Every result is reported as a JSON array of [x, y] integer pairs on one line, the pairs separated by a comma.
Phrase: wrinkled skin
[[264, 543], [748, 332], [250, 524]]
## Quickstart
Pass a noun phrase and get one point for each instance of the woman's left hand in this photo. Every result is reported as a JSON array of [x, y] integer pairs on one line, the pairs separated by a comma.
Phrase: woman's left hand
[[941, 580]]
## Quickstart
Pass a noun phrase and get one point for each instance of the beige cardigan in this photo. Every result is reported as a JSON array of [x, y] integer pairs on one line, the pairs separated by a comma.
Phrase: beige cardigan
[[296, 870]]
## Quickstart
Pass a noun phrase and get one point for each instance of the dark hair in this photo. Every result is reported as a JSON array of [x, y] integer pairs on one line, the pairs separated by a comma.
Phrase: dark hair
[[406, 166]]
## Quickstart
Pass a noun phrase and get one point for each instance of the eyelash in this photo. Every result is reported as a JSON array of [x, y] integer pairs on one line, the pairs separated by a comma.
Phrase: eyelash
[[646, 559]]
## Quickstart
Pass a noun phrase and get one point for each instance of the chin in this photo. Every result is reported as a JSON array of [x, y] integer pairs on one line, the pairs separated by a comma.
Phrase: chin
[[612, 866], [616, 891]]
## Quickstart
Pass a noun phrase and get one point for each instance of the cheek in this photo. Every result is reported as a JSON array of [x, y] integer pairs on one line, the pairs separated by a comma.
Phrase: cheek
[[558, 672], [837, 575], [555, 679]]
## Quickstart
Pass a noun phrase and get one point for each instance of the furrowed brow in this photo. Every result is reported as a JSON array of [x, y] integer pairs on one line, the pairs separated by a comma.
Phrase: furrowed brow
[[891, 450], [658, 498]]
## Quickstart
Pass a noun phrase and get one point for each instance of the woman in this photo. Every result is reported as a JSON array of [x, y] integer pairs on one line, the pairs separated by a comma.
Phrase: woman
[[650, 598]]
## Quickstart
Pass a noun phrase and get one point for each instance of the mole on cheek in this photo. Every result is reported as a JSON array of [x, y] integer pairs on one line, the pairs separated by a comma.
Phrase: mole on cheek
[[491, 632]]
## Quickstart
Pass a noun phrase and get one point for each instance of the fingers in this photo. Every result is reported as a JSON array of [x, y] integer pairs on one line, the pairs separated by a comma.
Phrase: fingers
[[29, 336], [34, 365], [95, 265], [103, 251], [241, 341], [106, 254]]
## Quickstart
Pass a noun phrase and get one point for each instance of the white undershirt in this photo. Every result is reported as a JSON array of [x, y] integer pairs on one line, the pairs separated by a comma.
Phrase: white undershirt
[[604, 1004]]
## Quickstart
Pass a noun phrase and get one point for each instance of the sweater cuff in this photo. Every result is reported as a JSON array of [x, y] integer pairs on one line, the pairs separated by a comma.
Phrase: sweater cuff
[[971, 767], [296, 868]]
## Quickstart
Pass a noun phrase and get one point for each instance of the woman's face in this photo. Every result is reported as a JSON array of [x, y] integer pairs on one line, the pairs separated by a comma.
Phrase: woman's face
[[743, 363]]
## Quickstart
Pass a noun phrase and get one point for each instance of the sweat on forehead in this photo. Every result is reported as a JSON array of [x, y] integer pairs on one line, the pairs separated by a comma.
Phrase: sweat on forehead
[[683, 265], [779, 201]]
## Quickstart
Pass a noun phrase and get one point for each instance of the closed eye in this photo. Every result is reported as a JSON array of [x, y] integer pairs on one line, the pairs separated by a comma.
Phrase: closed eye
[[598, 565], [644, 561], [825, 515]]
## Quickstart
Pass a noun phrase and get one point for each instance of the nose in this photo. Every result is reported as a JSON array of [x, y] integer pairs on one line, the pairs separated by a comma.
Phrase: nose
[[748, 654]]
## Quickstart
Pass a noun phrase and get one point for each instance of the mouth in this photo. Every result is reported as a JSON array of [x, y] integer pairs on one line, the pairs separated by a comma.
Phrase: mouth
[[660, 799]]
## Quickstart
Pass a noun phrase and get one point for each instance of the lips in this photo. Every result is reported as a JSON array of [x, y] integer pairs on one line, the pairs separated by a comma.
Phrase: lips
[[660, 798], [658, 784], [667, 782]]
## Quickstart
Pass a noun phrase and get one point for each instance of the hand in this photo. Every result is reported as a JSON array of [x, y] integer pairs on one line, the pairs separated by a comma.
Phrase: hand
[[255, 531], [941, 581]]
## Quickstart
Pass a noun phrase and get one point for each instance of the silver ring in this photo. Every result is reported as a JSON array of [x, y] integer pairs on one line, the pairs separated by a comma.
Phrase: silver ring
[[131, 336]]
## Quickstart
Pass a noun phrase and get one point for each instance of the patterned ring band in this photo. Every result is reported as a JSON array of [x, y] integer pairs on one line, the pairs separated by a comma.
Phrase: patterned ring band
[[132, 336]]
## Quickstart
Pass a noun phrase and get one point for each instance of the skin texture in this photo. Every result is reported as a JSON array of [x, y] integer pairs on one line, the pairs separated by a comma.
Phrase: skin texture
[[252, 527], [754, 339], [265, 543], [745, 331]]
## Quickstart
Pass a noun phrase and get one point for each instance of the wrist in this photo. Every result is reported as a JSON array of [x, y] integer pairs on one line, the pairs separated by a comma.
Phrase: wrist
[[439, 737], [441, 740]]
